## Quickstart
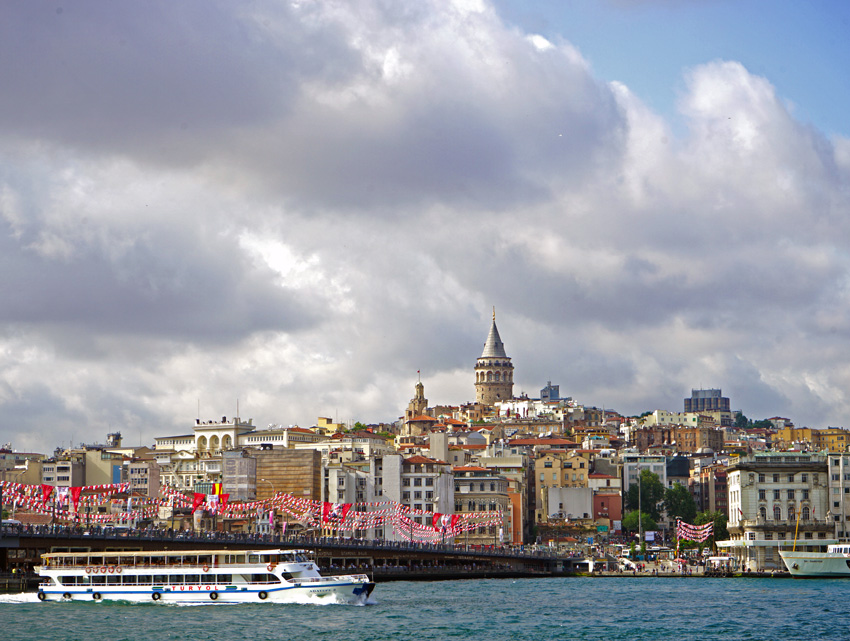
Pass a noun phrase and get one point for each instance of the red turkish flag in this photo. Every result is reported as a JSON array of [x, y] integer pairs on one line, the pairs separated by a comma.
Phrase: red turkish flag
[[75, 496], [199, 501], [46, 491], [334, 511]]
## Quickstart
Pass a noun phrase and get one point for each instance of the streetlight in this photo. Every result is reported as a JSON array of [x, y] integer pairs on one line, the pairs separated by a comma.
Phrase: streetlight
[[640, 514]]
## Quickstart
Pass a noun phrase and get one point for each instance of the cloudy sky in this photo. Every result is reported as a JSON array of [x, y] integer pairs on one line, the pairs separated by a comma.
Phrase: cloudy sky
[[294, 206]]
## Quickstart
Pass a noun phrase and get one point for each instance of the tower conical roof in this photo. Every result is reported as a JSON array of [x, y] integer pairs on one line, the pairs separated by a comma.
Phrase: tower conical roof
[[494, 347]]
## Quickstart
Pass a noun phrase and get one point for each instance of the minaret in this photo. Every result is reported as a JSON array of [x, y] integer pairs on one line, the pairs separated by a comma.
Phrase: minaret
[[494, 374]]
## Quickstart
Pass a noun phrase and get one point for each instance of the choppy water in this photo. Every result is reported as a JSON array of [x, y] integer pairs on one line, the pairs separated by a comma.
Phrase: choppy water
[[529, 609]]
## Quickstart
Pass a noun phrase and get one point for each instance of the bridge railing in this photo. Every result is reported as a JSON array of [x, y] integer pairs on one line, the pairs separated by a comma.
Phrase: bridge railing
[[236, 538]]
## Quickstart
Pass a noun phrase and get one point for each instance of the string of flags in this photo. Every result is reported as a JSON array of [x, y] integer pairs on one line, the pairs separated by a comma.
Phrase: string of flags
[[698, 533], [78, 504]]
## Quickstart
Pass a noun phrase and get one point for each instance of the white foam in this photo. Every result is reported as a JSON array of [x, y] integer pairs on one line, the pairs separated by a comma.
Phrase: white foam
[[20, 597]]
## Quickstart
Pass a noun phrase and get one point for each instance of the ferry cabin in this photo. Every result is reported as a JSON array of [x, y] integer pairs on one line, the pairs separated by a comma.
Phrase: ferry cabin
[[234, 573]]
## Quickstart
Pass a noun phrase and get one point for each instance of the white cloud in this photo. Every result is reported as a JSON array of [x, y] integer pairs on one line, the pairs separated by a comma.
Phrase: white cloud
[[333, 195]]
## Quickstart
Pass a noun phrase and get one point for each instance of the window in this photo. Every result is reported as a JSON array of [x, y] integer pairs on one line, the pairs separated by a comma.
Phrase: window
[[417, 482], [792, 513], [805, 495], [761, 478], [790, 495], [775, 495], [762, 495], [804, 478], [805, 513], [776, 478], [790, 478], [777, 513]]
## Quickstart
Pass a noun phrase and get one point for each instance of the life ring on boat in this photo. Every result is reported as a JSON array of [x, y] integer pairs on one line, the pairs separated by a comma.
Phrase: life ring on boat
[[88, 569], [213, 595], [206, 567], [67, 596], [156, 596], [118, 569], [270, 567], [103, 569], [263, 595], [41, 596], [96, 596], [111, 569]]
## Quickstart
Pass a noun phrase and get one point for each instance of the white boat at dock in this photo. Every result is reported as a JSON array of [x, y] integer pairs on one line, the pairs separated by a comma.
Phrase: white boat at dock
[[223, 576], [835, 562]]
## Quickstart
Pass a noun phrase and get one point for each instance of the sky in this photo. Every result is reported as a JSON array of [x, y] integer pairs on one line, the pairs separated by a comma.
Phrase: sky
[[289, 209]]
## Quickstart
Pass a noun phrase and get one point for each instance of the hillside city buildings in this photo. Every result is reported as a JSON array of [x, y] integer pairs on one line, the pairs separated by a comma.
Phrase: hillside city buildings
[[550, 466]]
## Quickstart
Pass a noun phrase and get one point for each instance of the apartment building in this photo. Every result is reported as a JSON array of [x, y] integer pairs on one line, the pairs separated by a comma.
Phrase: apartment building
[[777, 499]]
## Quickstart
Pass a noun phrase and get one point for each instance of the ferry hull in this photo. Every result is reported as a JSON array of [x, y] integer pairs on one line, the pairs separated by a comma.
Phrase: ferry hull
[[816, 564], [349, 593]]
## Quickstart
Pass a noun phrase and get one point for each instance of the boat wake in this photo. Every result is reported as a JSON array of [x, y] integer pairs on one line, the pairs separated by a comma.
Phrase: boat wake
[[20, 597]]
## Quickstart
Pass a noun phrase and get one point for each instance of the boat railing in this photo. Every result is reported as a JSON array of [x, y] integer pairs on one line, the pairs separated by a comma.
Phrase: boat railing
[[199, 567], [330, 579]]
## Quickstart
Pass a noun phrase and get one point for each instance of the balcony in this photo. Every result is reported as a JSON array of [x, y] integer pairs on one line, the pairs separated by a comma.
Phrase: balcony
[[770, 525]]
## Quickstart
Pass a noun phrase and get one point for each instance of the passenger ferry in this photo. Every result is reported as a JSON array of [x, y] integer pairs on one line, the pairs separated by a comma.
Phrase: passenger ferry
[[835, 562], [225, 576]]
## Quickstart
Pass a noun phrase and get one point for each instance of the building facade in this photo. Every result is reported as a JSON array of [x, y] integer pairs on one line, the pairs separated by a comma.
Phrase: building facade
[[777, 499]]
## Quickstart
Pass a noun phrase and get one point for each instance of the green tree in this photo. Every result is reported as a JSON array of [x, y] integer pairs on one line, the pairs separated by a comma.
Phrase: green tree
[[678, 502], [630, 522], [741, 421], [651, 495], [359, 427], [719, 519]]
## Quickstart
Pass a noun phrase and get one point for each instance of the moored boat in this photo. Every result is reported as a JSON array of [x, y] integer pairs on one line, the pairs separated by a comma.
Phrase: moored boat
[[226, 576], [835, 562]]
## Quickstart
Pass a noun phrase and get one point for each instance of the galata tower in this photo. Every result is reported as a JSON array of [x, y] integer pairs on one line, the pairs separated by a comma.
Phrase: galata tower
[[494, 374]]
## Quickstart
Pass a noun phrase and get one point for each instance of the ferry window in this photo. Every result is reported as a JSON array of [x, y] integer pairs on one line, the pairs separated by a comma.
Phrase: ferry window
[[145, 579], [176, 579], [224, 578], [113, 580], [263, 578], [129, 579], [98, 580], [160, 579], [68, 580], [287, 576], [253, 558], [96, 560], [191, 579]]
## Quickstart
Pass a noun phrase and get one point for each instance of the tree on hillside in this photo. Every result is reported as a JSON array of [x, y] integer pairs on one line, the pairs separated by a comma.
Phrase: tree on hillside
[[719, 519], [678, 502], [630, 522], [651, 495]]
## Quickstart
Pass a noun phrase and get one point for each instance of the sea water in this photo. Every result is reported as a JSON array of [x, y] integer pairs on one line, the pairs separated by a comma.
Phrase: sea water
[[522, 609]]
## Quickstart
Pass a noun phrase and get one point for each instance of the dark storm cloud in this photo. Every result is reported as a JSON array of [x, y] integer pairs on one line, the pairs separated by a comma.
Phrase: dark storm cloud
[[163, 286]]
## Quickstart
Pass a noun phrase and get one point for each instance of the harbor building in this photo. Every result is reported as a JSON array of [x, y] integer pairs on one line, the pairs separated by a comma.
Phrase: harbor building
[[777, 499]]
